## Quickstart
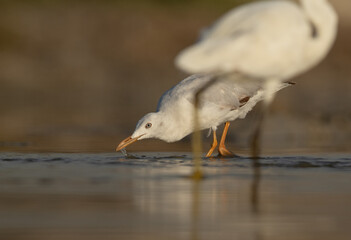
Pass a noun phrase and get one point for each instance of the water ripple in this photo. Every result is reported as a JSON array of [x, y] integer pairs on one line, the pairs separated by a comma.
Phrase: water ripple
[[166, 160]]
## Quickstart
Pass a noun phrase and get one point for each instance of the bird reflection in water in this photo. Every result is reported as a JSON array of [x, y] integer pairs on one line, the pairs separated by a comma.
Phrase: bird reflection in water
[[195, 213], [199, 199], [256, 177]]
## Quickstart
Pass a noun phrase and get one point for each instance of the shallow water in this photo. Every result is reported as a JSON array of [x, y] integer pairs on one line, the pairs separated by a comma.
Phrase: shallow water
[[150, 196]]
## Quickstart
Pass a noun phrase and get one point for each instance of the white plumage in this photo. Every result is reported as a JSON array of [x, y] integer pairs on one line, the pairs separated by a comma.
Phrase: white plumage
[[224, 101], [270, 40], [265, 40], [251, 52]]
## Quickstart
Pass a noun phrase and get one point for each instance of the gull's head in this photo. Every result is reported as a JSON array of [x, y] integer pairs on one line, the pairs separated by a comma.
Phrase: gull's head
[[150, 126]]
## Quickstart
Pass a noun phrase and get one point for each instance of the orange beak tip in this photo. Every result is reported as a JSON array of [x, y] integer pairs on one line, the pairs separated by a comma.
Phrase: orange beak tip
[[129, 140]]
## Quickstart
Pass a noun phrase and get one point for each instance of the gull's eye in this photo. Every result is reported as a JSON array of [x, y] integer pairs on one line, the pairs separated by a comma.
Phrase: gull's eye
[[148, 125]]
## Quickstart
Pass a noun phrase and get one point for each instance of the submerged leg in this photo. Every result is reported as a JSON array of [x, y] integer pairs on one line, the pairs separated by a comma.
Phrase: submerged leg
[[223, 151], [213, 146]]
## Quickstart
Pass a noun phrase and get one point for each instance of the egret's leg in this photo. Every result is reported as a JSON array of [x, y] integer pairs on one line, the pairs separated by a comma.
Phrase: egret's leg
[[196, 141], [255, 143], [269, 94], [214, 144], [223, 151]]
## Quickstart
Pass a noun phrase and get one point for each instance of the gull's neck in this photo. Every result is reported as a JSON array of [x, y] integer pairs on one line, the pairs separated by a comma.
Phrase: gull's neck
[[174, 128], [324, 19]]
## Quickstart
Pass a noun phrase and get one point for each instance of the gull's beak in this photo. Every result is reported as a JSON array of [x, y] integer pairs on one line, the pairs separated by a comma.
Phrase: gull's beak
[[129, 140]]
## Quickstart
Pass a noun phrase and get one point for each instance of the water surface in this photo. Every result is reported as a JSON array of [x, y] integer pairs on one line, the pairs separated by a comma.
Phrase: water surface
[[150, 196]]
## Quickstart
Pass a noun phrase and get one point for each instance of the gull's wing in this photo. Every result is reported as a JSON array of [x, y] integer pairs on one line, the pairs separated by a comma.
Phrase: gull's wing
[[229, 91], [225, 93]]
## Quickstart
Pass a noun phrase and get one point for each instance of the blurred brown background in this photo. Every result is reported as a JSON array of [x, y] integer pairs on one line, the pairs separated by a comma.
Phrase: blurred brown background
[[78, 75]]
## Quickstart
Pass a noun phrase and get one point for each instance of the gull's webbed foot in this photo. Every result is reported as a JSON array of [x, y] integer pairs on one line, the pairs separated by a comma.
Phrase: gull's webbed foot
[[213, 146], [224, 152]]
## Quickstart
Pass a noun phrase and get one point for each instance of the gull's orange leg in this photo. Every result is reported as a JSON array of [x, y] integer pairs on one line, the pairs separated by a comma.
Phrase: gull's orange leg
[[214, 144], [223, 151]]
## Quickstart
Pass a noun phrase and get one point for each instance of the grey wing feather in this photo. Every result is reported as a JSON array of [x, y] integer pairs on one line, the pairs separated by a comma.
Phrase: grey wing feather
[[225, 92], [228, 91], [186, 87]]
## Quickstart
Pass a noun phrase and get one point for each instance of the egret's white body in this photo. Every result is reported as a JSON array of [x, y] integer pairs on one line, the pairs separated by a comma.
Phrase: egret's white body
[[266, 40], [270, 40], [224, 101]]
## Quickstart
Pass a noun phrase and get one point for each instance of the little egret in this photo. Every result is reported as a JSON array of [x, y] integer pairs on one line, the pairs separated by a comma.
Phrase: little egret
[[270, 40], [222, 102]]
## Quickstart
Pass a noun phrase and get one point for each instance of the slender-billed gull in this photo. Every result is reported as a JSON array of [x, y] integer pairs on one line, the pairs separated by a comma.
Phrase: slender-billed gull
[[224, 101]]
